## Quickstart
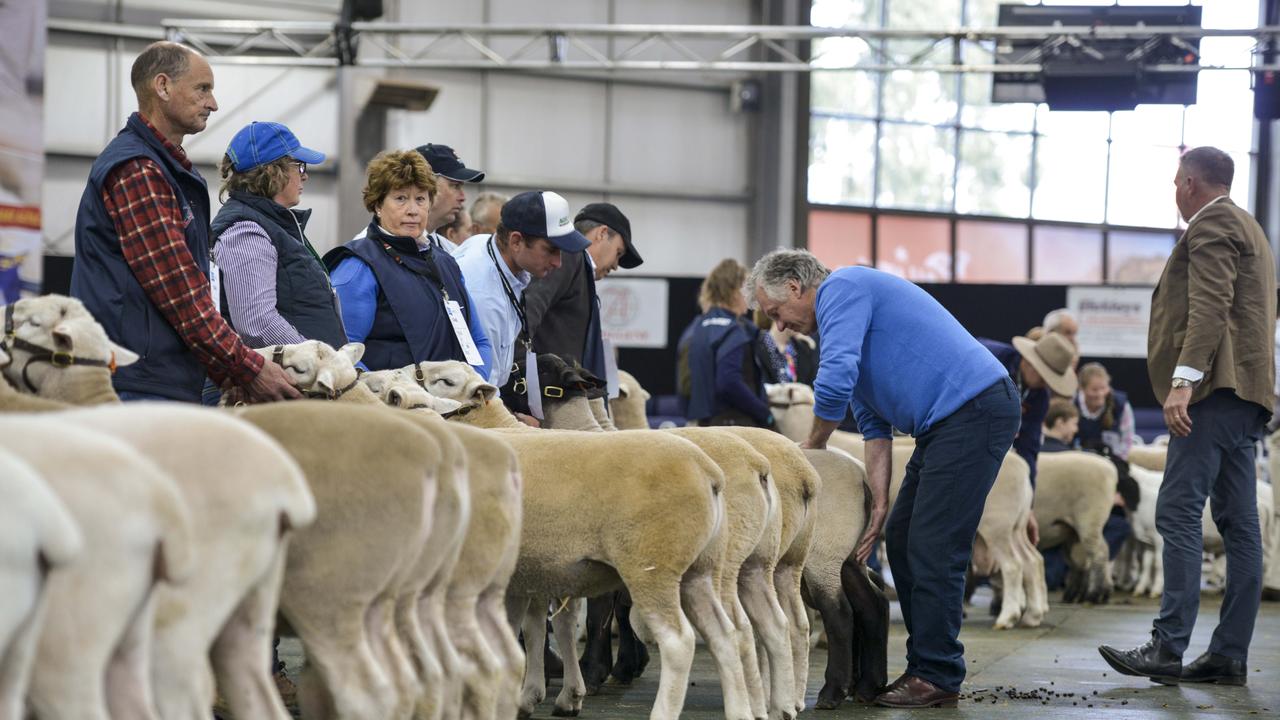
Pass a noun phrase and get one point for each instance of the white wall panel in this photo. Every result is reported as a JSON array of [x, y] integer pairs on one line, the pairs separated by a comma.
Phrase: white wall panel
[[674, 139], [455, 118], [684, 237], [76, 93], [546, 128]]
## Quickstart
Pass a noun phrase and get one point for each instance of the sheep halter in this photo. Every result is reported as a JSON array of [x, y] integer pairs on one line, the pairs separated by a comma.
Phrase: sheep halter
[[56, 358], [277, 357]]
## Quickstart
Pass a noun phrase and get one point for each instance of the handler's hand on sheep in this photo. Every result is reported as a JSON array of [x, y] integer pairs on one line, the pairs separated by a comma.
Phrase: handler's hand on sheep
[[879, 462], [271, 384]]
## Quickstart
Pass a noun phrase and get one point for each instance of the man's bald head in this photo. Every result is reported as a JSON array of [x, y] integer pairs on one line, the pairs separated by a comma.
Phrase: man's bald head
[[174, 85]]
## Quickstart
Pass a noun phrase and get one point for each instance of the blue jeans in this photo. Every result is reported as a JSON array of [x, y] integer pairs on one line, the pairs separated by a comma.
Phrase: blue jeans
[[931, 529], [1215, 461]]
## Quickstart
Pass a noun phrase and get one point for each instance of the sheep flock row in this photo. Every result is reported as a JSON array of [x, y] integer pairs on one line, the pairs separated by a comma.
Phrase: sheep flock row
[[413, 536]]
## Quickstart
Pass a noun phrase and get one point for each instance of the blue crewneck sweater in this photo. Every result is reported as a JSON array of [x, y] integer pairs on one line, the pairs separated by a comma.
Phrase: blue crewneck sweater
[[894, 354]]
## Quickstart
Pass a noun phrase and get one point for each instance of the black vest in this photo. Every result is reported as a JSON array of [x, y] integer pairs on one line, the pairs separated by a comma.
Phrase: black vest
[[409, 324], [304, 296], [102, 280], [1092, 435]]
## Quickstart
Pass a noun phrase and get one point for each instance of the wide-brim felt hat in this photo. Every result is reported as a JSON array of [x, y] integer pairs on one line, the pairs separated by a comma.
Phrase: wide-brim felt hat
[[1053, 357]]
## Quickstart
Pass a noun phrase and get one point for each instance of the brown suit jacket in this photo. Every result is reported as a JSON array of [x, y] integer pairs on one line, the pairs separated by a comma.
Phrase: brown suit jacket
[[1215, 308]]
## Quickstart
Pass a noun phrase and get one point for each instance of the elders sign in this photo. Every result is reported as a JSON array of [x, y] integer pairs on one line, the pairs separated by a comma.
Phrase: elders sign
[[1113, 321], [633, 312]]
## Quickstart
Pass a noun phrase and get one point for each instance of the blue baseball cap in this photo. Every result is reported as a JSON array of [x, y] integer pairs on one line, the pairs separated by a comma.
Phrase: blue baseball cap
[[259, 143], [546, 215]]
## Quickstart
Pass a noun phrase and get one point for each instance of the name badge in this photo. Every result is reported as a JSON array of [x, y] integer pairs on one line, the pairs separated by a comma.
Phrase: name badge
[[462, 332], [215, 285], [611, 370], [531, 383]]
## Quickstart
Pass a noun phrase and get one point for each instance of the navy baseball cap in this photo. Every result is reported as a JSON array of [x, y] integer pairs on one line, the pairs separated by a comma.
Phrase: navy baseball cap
[[543, 214], [259, 143], [610, 216], [444, 161]]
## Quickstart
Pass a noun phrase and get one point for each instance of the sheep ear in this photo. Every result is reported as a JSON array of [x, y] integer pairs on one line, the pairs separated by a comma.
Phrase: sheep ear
[[123, 356], [484, 392], [645, 394], [395, 398], [62, 340], [354, 350], [324, 380], [624, 391], [444, 405]]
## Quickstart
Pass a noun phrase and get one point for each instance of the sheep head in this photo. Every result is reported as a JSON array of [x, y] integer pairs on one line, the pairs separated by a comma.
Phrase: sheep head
[[315, 368], [55, 334], [397, 388], [792, 405], [453, 380]]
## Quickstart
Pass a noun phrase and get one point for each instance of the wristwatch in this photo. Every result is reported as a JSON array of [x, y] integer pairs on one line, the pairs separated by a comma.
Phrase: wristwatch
[[1181, 383]]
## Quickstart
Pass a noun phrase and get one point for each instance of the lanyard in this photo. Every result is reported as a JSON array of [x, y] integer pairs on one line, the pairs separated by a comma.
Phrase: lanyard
[[432, 273], [516, 302]]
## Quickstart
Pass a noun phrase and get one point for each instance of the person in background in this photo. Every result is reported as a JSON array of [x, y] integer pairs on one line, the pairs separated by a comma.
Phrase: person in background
[[1105, 415], [486, 213], [459, 230], [792, 356], [562, 309], [277, 290], [1210, 356], [142, 245], [727, 377], [1061, 321], [1060, 424], [450, 198], [534, 231], [402, 296], [1036, 368]]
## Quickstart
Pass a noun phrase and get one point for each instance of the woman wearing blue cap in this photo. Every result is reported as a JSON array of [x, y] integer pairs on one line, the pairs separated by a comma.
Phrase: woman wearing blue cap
[[274, 286]]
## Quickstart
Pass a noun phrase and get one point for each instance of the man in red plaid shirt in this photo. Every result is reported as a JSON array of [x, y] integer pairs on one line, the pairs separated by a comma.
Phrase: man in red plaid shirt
[[142, 245]]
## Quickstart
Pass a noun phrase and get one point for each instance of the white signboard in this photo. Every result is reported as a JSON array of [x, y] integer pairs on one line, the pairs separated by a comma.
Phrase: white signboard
[[1113, 321], [633, 312]]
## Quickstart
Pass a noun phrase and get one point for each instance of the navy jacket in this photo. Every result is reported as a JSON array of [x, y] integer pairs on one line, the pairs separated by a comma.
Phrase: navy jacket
[[563, 311], [410, 324], [103, 281], [1035, 404], [1091, 430], [725, 373], [304, 296]]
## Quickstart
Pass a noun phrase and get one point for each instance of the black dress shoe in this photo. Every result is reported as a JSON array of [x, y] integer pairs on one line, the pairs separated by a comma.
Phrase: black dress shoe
[[1215, 668], [1152, 660]]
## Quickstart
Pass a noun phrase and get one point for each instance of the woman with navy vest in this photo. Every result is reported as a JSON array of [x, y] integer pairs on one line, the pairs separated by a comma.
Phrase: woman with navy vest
[[727, 378], [1106, 418], [401, 296], [275, 287]]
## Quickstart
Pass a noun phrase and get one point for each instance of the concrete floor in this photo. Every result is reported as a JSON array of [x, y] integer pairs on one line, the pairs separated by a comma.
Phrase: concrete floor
[[1059, 657]]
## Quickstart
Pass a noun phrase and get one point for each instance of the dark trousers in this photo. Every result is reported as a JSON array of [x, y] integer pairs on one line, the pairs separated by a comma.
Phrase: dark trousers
[[930, 531], [1216, 461]]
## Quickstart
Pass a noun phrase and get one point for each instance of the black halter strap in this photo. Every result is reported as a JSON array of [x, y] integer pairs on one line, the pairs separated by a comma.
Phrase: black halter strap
[[56, 358]]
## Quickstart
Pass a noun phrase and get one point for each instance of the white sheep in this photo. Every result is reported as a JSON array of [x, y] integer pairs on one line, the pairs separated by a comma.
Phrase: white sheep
[[93, 659], [37, 536], [1075, 492], [792, 407], [645, 528]]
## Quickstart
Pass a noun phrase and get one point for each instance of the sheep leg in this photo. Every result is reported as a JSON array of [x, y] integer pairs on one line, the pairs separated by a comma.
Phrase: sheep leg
[[408, 623], [703, 608], [838, 621], [534, 627], [379, 621], [500, 636], [597, 658], [480, 685], [633, 655], [1157, 568], [129, 669], [657, 600], [871, 620], [1014, 597], [18, 654], [769, 620], [342, 678], [750, 659], [241, 653], [564, 622], [787, 579], [1034, 587], [431, 609]]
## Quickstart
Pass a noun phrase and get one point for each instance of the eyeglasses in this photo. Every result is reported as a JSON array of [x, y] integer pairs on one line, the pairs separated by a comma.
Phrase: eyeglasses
[[302, 167]]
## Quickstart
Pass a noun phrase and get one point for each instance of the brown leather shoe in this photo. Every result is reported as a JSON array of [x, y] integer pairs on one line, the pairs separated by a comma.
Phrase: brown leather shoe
[[916, 692], [859, 699]]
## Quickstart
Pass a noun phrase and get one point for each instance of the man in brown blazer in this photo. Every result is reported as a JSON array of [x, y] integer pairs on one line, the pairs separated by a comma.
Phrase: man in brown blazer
[[1210, 355]]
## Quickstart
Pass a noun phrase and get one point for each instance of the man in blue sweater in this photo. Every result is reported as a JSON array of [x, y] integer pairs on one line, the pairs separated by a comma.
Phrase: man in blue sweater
[[900, 360]]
